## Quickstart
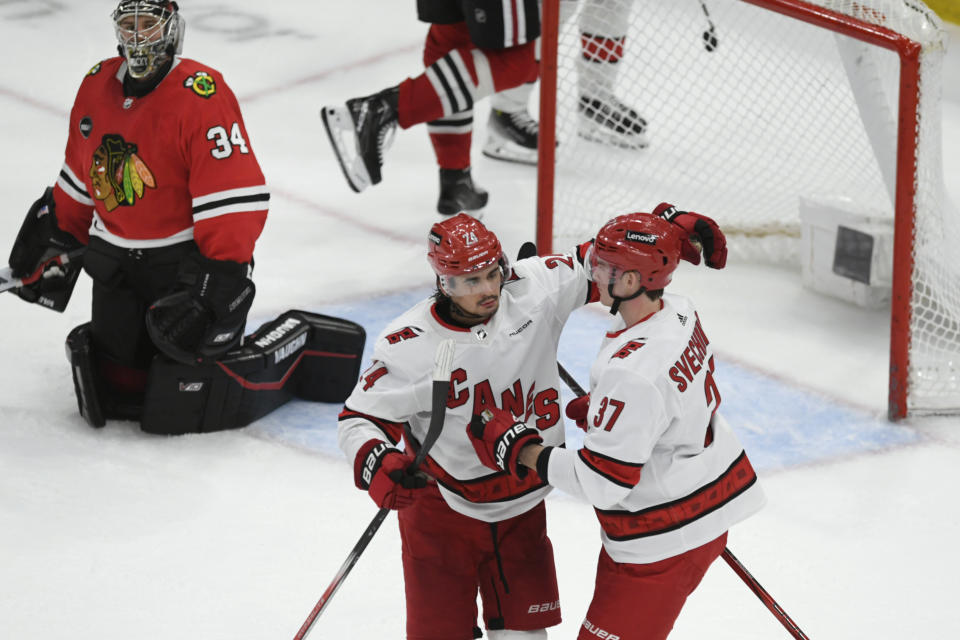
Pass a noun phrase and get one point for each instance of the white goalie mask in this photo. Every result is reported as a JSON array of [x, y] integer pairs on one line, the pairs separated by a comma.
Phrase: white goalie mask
[[149, 33]]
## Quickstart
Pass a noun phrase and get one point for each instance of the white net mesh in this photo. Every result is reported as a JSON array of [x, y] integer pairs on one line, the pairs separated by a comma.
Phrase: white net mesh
[[779, 110]]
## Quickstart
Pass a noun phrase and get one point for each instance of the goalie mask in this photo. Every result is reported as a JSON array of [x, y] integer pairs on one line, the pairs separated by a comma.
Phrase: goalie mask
[[149, 33], [639, 242], [459, 248]]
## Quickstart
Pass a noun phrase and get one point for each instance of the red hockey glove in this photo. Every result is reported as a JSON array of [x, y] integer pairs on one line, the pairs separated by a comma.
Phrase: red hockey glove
[[498, 439], [382, 471], [700, 229], [577, 410]]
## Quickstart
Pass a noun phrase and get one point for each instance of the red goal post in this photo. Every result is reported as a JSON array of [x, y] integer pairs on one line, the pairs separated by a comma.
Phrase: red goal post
[[817, 98]]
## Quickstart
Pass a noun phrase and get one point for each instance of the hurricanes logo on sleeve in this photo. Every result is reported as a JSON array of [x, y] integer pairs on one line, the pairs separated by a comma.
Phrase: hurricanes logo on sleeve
[[627, 349], [407, 333], [117, 174], [202, 84]]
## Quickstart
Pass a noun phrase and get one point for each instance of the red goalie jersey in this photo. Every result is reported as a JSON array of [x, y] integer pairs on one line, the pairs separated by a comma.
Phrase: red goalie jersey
[[170, 166]]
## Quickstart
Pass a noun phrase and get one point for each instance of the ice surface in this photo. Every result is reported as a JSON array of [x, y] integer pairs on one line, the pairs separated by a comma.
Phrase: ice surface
[[115, 534]]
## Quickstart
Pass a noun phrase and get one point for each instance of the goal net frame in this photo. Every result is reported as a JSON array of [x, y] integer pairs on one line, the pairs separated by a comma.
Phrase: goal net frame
[[864, 22]]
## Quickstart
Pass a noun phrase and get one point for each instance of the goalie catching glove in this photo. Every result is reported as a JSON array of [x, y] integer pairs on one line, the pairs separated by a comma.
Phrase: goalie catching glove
[[207, 316], [381, 470], [700, 229], [498, 438], [35, 257]]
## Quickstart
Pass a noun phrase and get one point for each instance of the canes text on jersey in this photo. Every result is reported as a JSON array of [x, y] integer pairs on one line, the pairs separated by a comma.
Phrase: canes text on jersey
[[545, 404]]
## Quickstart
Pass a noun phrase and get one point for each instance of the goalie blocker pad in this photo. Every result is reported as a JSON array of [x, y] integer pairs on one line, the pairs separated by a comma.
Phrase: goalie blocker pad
[[300, 354]]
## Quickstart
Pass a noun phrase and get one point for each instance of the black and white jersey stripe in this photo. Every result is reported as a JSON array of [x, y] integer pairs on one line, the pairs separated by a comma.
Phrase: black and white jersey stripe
[[514, 34], [452, 83], [230, 201], [458, 123], [73, 186]]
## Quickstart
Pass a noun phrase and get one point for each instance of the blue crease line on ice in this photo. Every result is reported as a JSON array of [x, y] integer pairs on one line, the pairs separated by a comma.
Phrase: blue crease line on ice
[[779, 424]]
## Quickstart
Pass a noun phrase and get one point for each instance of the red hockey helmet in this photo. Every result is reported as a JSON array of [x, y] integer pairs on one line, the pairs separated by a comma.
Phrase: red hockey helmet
[[460, 246], [640, 242]]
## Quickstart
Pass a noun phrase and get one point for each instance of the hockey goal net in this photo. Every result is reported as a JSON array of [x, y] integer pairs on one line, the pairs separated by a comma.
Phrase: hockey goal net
[[832, 98]]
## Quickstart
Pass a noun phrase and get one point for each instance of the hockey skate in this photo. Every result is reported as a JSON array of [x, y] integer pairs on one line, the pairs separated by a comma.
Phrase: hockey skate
[[458, 193], [512, 137], [360, 132], [611, 122]]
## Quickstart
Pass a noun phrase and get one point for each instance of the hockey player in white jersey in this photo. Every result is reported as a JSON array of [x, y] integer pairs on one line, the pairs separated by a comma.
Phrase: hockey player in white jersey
[[468, 529], [666, 475]]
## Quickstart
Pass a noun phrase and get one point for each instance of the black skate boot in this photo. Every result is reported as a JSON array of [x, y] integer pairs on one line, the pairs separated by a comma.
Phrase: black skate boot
[[512, 137], [458, 193], [611, 122], [360, 132]]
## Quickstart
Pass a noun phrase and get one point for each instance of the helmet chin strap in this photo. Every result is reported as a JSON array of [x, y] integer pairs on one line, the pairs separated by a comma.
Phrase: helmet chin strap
[[615, 307]]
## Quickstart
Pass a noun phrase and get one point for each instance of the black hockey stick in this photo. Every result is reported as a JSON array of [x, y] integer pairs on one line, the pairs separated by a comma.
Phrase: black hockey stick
[[443, 363], [710, 35], [727, 555], [761, 593]]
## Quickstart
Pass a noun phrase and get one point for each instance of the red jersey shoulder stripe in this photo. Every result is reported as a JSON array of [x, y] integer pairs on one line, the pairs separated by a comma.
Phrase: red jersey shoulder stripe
[[624, 474]]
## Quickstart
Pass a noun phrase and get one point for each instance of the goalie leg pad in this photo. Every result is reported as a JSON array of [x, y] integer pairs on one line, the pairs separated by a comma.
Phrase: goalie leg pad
[[85, 382], [333, 357], [299, 354]]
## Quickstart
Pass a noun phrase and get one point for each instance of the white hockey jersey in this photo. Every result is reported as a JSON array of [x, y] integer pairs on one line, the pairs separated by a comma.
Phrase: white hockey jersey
[[661, 467], [510, 361]]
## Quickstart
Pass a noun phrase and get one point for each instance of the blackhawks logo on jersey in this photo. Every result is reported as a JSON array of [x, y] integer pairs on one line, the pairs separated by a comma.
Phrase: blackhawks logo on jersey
[[202, 84], [117, 173], [95, 69]]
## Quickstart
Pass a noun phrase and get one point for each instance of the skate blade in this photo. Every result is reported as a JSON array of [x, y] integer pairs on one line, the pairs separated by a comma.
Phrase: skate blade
[[343, 139], [509, 151], [596, 133]]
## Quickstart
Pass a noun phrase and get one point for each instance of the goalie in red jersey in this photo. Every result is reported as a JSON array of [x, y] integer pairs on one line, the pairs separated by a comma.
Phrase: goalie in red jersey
[[161, 194]]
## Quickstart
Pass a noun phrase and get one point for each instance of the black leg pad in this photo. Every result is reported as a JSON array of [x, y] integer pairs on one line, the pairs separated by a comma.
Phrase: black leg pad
[[300, 354], [85, 382]]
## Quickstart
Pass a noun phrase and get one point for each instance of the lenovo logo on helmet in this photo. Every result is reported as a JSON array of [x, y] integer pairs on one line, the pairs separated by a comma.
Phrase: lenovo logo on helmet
[[645, 238]]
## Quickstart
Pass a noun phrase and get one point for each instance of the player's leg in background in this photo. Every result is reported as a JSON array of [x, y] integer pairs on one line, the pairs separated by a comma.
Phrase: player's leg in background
[[466, 61], [512, 131], [603, 117], [452, 135]]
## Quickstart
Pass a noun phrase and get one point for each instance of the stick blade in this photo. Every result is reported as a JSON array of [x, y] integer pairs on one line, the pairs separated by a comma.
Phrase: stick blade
[[443, 360]]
